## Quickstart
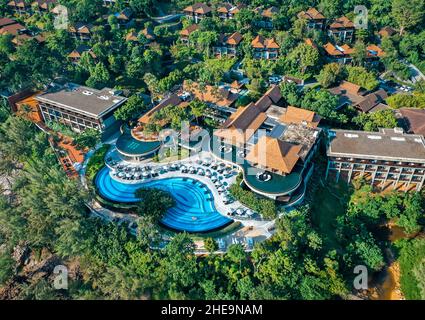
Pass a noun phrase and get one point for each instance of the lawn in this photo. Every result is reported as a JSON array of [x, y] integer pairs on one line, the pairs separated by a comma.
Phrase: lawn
[[329, 203]]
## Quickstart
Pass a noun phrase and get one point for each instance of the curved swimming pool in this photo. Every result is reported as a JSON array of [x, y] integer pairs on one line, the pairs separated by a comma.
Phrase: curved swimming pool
[[194, 210]]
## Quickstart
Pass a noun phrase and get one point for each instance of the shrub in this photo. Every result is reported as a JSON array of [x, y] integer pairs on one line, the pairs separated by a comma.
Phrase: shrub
[[97, 161], [265, 207]]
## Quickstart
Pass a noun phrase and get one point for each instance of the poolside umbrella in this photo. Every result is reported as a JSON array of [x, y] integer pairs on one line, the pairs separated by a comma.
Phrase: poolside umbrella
[[213, 179], [152, 172], [249, 212], [120, 174], [208, 173], [239, 211], [145, 174], [165, 168], [128, 175], [220, 189]]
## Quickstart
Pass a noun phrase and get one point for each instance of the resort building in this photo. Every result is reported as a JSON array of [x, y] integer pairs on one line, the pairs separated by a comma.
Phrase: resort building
[[315, 20], [272, 145], [125, 17], [185, 33], [76, 54], [81, 31], [44, 5], [342, 30], [389, 157], [6, 22], [387, 32], [227, 45], [228, 11], [342, 54], [266, 15], [197, 12], [413, 120], [364, 101], [19, 6], [9, 26], [147, 33], [80, 107], [213, 96], [372, 102], [263, 48]]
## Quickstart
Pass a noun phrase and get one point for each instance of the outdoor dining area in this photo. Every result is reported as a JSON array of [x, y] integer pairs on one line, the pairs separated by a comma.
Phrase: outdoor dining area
[[125, 172], [242, 213]]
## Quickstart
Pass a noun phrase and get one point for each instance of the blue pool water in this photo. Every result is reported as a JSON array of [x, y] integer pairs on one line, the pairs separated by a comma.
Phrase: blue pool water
[[194, 210]]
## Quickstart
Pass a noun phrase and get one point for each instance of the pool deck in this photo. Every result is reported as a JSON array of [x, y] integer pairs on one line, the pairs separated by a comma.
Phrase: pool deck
[[257, 229]]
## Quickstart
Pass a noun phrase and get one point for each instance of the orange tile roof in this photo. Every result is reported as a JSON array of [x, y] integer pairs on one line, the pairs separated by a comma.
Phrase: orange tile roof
[[310, 42], [225, 8], [236, 9], [76, 54], [298, 115], [234, 39], [261, 42], [33, 113], [200, 8], [350, 87], [274, 154], [210, 94], [81, 28], [341, 23], [12, 29], [374, 48], [236, 84], [311, 14], [6, 22], [241, 125], [18, 3], [132, 36], [269, 12], [387, 32], [148, 33], [187, 31], [44, 4], [125, 14], [341, 50]]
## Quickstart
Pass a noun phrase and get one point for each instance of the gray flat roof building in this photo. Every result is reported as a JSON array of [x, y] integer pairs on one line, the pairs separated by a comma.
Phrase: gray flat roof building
[[91, 102], [80, 107], [387, 145]]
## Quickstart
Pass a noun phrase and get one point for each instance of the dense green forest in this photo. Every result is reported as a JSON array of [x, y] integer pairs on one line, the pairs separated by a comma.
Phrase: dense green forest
[[315, 248]]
